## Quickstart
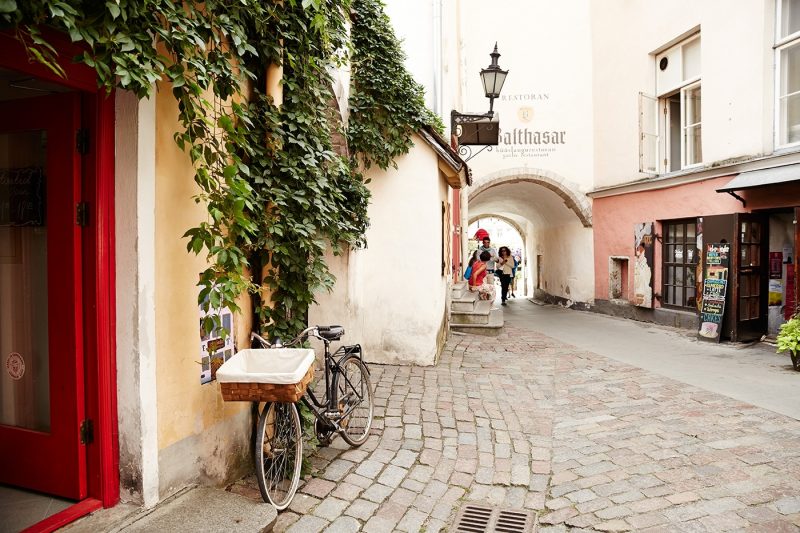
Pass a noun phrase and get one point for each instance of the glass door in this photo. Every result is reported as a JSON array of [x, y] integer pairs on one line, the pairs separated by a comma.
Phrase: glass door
[[751, 279], [41, 377]]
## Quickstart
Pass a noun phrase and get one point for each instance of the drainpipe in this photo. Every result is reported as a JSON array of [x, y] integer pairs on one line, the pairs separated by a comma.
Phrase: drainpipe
[[437, 58], [459, 102]]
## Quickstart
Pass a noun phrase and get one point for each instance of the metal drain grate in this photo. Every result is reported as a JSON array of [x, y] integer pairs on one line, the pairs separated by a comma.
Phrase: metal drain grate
[[478, 518]]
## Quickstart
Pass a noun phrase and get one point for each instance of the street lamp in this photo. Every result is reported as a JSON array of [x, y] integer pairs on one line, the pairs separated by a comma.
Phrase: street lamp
[[493, 78], [481, 128]]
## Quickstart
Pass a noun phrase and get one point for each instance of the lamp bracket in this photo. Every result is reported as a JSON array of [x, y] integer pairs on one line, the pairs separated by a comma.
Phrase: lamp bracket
[[466, 150], [463, 118]]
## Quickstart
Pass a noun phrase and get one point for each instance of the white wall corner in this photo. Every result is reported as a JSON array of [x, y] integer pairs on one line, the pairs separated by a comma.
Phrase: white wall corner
[[135, 289]]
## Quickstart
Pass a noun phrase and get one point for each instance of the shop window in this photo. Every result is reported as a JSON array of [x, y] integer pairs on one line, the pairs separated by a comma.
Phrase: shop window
[[679, 263], [670, 123], [787, 57]]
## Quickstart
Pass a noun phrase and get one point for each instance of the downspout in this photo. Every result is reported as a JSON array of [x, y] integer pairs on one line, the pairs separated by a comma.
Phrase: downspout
[[459, 101], [437, 58]]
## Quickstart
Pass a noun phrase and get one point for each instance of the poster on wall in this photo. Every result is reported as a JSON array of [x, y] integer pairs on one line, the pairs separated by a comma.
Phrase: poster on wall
[[715, 286], [789, 308], [214, 348], [22, 196], [776, 265], [643, 268], [698, 269]]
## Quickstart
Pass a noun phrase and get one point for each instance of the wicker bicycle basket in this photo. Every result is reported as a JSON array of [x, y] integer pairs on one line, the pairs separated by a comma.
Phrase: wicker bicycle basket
[[266, 392]]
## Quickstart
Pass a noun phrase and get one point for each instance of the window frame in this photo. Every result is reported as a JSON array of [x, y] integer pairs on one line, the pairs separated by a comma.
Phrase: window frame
[[781, 44], [663, 141], [685, 127], [666, 265]]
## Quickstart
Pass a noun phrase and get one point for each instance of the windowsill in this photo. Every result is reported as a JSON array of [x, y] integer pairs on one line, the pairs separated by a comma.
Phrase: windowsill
[[787, 149], [675, 309]]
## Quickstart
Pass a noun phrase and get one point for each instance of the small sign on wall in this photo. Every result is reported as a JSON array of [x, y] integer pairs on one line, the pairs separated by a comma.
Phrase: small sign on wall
[[214, 348]]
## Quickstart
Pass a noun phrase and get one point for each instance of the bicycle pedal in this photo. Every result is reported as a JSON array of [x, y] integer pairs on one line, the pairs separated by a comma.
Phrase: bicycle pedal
[[333, 415]]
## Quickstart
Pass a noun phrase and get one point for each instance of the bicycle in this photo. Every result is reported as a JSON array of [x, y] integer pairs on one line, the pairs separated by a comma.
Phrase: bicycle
[[346, 408]]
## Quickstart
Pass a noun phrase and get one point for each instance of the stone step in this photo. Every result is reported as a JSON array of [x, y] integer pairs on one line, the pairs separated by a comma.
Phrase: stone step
[[458, 289], [193, 509], [478, 315], [465, 303], [492, 329]]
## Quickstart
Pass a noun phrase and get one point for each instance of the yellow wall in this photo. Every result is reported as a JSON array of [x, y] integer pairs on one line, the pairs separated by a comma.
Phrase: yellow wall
[[186, 409]]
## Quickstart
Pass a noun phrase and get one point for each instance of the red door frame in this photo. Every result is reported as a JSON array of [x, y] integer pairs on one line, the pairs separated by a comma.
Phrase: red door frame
[[98, 269]]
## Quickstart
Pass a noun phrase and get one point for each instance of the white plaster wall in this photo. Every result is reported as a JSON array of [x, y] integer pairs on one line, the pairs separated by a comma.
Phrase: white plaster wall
[[567, 261], [530, 268], [391, 297], [737, 76], [546, 46], [135, 287]]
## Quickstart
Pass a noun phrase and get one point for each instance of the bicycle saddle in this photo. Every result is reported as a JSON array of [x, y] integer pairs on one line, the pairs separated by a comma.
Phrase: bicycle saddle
[[331, 333]]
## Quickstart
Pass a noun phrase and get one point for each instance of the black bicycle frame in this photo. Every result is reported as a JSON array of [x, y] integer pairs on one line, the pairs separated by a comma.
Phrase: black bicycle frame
[[331, 391]]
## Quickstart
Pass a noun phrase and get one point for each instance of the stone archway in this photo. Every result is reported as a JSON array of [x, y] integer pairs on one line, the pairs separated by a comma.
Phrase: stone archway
[[566, 190], [513, 223]]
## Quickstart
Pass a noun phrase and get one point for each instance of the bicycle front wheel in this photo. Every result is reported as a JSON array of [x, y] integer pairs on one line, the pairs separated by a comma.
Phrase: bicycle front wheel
[[278, 453], [355, 401]]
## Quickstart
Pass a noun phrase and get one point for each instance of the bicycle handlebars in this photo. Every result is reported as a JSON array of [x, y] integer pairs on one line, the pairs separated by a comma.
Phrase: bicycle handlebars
[[312, 331]]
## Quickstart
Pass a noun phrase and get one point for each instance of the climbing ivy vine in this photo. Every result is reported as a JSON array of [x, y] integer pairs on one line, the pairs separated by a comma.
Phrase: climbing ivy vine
[[386, 104], [277, 194]]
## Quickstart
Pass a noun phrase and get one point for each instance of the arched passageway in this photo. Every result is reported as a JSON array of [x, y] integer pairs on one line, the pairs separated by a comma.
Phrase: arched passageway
[[554, 217], [505, 231]]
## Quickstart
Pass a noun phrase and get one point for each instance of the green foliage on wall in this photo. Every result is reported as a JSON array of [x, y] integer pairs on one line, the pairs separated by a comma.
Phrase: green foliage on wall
[[386, 104]]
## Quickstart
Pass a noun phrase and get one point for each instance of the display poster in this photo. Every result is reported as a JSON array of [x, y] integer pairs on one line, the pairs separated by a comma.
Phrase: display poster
[[789, 307], [643, 268], [22, 194], [776, 265], [215, 348], [715, 286]]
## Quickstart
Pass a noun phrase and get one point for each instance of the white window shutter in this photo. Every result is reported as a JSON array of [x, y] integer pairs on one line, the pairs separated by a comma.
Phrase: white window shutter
[[648, 134]]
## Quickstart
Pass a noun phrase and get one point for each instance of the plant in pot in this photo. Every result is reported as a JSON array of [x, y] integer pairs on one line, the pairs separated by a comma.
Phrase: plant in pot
[[789, 340]]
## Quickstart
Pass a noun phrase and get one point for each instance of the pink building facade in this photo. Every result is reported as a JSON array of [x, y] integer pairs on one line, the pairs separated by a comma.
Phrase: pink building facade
[[760, 227]]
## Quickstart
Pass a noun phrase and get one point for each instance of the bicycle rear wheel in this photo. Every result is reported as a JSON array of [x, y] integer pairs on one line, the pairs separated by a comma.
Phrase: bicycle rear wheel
[[278, 453], [355, 400]]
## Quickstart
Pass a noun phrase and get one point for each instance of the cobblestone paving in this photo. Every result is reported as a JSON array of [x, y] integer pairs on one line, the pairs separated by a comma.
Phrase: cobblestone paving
[[589, 444]]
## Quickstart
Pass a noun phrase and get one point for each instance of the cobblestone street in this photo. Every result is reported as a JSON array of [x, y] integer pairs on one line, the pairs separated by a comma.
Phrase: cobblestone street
[[588, 443]]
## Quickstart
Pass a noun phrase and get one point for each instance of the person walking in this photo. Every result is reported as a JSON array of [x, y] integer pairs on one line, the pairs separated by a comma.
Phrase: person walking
[[493, 257], [505, 267], [514, 276]]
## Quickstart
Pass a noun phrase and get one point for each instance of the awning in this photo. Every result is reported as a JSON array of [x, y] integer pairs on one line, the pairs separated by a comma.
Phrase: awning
[[760, 178]]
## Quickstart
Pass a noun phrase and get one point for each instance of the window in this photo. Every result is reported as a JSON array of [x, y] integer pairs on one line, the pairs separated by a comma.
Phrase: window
[[787, 50], [679, 261], [670, 124]]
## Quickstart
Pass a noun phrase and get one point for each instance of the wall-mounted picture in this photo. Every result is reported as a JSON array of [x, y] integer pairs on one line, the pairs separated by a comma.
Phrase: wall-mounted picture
[[214, 348]]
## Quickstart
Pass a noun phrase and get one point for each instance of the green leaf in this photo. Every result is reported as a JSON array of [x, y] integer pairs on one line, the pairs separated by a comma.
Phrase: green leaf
[[113, 8], [8, 6]]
